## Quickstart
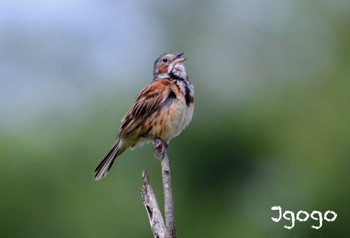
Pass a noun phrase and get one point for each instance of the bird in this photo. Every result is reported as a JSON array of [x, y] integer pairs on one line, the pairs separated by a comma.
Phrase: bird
[[160, 112]]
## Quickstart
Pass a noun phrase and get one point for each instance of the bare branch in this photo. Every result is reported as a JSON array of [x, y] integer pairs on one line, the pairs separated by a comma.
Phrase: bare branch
[[154, 215], [168, 194], [152, 209]]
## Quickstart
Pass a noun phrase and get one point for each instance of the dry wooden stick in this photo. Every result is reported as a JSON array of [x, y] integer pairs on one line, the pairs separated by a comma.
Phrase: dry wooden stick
[[150, 202]]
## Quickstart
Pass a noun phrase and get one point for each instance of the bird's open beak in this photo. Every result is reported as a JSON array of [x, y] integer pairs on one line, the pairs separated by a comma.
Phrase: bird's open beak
[[178, 58]]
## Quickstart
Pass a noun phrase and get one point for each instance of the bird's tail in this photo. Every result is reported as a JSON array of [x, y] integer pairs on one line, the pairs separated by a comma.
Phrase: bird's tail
[[107, 162]]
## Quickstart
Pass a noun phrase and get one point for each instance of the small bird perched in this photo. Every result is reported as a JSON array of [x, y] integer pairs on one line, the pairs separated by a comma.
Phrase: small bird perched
[[161, 110]]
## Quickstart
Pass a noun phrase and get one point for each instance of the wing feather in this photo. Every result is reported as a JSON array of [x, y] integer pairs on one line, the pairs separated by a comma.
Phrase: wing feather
[[148, 101]]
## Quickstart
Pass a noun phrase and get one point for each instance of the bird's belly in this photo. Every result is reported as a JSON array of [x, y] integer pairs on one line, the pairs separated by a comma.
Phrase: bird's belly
[[171, 120]]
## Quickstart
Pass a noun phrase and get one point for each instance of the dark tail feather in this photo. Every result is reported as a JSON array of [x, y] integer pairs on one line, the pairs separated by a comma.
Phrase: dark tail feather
[[107, 162]]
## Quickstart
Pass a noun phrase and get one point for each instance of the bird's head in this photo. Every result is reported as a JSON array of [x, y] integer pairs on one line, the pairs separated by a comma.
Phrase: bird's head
[[169, 66]]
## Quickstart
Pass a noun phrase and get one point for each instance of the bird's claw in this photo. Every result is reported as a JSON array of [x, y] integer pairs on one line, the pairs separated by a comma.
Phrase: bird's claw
[[159, 148]]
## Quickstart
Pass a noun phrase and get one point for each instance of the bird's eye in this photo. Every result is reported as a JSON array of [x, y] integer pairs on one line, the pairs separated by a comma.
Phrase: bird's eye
[[165, 60]]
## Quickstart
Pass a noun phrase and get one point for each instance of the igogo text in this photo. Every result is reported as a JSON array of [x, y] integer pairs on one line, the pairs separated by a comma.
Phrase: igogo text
[[303, 216]]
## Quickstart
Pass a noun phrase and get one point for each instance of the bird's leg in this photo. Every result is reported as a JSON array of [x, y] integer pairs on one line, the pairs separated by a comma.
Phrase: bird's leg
[[159, 148]]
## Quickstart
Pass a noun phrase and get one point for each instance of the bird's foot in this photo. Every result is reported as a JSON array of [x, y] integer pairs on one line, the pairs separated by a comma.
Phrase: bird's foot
[[159, 148]]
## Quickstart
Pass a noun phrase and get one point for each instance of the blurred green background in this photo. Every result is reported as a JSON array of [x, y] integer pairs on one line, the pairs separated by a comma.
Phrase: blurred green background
[[271, 123]]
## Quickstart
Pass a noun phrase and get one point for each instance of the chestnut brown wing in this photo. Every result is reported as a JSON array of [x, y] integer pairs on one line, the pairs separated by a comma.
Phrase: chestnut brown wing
[[148, 101]]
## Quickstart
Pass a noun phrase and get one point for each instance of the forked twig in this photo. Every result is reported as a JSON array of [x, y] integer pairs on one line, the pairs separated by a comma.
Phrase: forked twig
[[149, 200]]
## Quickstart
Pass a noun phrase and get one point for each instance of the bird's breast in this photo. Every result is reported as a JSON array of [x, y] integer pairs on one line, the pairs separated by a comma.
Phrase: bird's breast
[[173, 119], [175, 114]]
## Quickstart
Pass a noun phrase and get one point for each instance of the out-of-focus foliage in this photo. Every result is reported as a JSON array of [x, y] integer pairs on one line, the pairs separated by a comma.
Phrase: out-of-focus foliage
[[271, 122]]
